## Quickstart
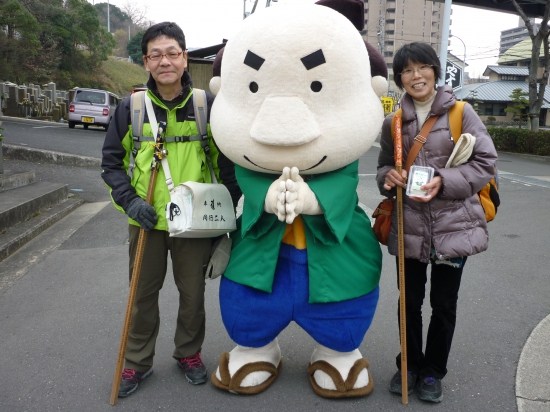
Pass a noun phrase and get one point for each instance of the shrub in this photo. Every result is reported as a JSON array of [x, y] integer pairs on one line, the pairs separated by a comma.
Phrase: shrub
[[521, 140]]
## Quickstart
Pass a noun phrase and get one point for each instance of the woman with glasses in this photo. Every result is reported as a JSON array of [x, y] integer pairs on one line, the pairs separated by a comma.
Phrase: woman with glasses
[[443, 227]]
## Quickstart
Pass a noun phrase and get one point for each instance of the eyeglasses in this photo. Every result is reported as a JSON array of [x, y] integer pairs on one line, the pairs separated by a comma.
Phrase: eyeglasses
[[421, 70], [155, 57]]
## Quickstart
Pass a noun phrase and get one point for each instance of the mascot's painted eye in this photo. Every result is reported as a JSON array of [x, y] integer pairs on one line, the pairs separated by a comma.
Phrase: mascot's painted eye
[[253, 87], [316, 86]]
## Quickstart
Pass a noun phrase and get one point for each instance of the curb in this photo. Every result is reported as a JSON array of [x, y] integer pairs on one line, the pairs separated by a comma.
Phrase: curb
[[533, 371], [18, 236], [47, 156], [534, 158]]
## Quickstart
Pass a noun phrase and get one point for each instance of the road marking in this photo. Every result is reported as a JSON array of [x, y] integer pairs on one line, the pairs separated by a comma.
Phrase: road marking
[[45, 127], [541, 181]]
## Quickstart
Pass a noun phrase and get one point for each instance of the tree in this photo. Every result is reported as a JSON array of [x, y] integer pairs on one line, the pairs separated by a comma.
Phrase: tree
[[134, 47], [519, 103], [118, 20], [86, 33], [137, 15], [536, 94], [121, 39], [475, 101], [18, 40]]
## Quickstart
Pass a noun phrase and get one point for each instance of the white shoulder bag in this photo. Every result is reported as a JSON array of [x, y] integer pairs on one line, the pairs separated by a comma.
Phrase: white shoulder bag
[[196, 209]]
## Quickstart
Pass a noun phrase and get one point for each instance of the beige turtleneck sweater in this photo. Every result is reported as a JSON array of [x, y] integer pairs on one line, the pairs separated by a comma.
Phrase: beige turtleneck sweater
[[423, 108]]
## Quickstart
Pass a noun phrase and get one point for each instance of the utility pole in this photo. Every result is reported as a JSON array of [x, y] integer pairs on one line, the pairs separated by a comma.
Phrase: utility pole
[[463, 66], [381, 31]]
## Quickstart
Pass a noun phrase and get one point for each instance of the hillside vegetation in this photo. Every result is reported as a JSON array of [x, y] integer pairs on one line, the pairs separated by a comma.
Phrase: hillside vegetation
[[66, 42], [120, 76]]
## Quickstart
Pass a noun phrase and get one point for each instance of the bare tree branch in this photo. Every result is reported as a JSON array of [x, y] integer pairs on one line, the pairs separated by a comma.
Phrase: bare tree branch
[[137, 14], [537, 86]]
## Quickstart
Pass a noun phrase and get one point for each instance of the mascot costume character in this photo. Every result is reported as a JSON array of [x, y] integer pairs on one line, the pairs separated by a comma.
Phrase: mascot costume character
[[297, 103]]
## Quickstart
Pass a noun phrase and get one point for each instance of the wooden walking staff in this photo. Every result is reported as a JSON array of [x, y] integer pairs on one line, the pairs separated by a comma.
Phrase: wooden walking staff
[[401, 259], [158, 153]]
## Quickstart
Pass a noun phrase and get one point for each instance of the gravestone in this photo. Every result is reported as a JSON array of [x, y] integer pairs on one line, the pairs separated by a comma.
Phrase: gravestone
[[12, 109], [51, 87]]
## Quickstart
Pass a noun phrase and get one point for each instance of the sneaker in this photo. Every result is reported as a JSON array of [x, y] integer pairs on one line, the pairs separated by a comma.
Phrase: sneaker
[[194, 369], [395, 383], [130, 381], [429, 389]]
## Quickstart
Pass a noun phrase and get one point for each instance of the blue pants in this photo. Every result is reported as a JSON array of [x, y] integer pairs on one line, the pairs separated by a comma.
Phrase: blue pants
[[254, 318]]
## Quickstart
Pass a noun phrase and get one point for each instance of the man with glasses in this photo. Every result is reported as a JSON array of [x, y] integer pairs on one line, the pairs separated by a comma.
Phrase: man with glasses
[[170, 89]]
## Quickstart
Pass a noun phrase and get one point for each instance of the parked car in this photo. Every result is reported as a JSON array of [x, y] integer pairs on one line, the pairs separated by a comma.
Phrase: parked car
[[92, 107]]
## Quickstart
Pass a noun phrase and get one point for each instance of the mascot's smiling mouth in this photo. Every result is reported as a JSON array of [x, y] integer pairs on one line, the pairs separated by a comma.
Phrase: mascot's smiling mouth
[[273, 170]]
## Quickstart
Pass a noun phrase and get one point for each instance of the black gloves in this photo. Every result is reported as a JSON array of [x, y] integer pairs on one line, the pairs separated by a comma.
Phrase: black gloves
[[143, 213]]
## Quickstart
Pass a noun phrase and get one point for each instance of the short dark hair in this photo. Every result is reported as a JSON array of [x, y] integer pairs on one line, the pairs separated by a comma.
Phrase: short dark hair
[[166, 28], [417, 52]]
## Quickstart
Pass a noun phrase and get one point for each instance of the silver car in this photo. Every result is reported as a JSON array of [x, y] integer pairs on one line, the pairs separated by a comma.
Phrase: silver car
[[92, 107]]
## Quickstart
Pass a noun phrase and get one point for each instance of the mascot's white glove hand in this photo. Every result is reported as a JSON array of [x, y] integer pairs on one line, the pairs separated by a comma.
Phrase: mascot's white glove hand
[[275, 198], [300, 199]]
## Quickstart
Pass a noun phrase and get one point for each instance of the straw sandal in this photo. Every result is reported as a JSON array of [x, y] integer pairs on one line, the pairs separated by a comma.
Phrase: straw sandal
[[344, 389], [233, 384]]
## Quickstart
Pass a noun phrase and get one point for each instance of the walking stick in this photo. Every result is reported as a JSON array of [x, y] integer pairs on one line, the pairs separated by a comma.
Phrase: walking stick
[[159, 152], [401, 260]]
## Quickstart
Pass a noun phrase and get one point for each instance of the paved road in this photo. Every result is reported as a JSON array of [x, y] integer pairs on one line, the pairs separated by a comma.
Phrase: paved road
[[62, 306]]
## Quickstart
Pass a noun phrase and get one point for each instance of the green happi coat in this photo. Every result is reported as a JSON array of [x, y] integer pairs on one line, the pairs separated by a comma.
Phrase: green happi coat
[[344, 256]]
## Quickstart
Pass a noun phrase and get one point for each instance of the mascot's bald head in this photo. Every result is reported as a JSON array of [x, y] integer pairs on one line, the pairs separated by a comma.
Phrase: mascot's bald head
[[298, 87]]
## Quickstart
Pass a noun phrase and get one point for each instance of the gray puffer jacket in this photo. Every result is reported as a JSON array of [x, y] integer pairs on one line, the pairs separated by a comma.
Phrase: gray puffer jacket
[[453, 221]]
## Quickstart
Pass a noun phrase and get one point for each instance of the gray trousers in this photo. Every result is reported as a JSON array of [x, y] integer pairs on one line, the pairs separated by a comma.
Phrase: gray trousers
[[188, 257]]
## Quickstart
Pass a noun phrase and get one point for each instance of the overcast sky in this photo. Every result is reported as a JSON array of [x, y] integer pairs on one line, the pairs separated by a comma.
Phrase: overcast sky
[[207, 22]]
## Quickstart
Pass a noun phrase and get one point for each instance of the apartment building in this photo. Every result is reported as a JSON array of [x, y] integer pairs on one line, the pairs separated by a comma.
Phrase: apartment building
[[391, 23], [511, 37]]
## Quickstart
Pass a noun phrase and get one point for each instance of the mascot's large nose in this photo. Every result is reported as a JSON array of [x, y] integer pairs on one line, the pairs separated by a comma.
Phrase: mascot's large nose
[[284, 121]]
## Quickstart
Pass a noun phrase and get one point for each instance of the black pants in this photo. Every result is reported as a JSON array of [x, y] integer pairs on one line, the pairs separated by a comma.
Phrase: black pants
[[445, 283]]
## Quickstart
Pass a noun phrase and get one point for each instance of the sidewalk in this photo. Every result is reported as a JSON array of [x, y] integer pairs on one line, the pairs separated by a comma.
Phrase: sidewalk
[[533, 373], [532, 389]]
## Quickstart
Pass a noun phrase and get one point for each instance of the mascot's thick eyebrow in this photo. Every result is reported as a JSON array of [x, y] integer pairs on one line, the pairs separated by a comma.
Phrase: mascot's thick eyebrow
[[253, 60], [314, 59]]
